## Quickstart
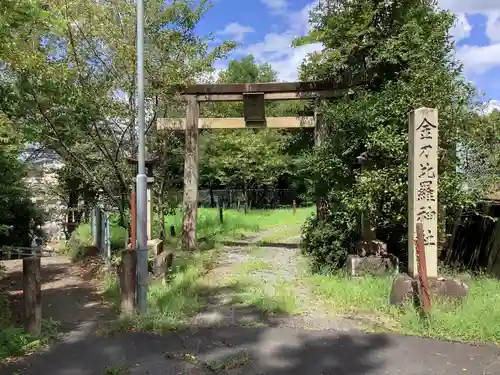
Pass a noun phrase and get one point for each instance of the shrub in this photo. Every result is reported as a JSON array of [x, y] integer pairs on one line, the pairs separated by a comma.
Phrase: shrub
[[327, 243], [81, 241]]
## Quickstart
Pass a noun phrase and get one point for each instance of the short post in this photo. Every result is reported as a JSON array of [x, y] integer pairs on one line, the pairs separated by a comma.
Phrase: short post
[[128, 281], [32, 295], [221, 208], [294, 206], [423, 187]]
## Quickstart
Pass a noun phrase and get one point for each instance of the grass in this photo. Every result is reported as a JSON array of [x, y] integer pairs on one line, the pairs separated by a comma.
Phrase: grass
[[250, 287], [273, 297], [15, 342], [236, 224], [172, 304], [81, 240], [476, 319]]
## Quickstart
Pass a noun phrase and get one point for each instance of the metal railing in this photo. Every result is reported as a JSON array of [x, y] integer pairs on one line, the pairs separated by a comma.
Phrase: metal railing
[[101, 233]]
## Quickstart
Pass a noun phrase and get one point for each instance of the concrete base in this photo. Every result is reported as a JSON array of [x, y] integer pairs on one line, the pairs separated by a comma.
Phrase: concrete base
[[371, 265], [404, 288]]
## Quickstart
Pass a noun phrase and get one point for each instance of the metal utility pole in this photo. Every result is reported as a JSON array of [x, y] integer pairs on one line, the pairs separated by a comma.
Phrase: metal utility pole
[[141, 191]]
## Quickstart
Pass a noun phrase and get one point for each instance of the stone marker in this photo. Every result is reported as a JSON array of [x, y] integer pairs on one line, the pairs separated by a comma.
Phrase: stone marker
[[423, 186], [404, 288], [371, 265]]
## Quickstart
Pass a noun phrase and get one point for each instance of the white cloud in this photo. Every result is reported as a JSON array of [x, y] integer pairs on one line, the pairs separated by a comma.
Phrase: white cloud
[[276, 48], [492, 105], [236, 31], [470, 6], [276, 6], [493, 26], [479, 59], [462, 28]]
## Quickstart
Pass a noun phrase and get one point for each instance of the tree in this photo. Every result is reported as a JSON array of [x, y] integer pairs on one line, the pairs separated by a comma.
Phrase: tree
[[402, 52], [73, 87], [20, 219], [248, 158]]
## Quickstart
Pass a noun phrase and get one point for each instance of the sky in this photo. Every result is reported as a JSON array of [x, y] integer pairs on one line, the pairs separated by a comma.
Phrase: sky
[[266, 29]]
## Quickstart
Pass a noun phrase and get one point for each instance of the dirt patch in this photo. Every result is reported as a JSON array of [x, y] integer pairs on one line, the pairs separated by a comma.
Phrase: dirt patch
[[71, 293]]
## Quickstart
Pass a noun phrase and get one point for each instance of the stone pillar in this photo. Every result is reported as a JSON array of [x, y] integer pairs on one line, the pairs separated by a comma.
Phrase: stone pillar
[[320, 136], [423, 186]]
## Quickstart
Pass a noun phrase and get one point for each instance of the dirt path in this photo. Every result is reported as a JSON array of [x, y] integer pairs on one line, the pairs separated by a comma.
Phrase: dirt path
[[260, 281], [70, 295]]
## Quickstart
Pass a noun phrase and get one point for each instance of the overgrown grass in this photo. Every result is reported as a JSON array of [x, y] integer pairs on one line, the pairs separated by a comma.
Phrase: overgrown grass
[[80, 243], [172, 303], [14, 341], [237, 224], [476, 319]]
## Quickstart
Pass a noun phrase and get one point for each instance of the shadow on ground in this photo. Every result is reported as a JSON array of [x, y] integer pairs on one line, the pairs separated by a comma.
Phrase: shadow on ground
[[69, 296], [261, 244], [246, 341]]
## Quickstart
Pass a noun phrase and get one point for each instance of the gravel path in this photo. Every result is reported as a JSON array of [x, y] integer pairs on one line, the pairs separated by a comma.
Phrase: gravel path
[[284, 264]]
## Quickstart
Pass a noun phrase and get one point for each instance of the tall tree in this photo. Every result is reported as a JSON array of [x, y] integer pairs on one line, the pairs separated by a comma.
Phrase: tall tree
[[247, 158], [403, 53], [74, 85]]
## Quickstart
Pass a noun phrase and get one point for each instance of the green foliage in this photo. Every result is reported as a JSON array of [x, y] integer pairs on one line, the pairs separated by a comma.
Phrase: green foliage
[[249, 158], [80, 243], [70, 86], [19, 217], [327, 242], [402, 54], [13, 340]]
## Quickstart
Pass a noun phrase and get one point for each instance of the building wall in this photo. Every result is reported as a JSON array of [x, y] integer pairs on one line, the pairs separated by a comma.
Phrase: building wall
[[42, 179]]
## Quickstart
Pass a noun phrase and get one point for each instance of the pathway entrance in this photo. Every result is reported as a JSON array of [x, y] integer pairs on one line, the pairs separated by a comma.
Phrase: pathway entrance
[[232, 338]]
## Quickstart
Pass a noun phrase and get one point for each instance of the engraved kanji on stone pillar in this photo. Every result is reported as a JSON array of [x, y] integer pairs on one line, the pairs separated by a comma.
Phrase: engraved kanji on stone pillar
[[423, 186]]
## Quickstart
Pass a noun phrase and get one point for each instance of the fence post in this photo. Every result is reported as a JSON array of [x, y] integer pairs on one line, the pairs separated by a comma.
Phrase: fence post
[[32, 295], [128, 281], [221, 209], [107, 241], [93, 224], [294, 206]]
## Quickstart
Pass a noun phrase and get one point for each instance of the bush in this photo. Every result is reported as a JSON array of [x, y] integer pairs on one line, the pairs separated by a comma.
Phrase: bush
[[327, 244], [81, 241]]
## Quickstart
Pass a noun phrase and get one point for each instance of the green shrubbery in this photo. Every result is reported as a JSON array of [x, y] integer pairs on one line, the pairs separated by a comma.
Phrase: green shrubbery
[[327, 244], [405, 62], [80, 243]]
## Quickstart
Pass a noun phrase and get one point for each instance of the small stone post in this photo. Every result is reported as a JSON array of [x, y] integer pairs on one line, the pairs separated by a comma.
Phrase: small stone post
[[423, 187], [32, 295], [128, 281]]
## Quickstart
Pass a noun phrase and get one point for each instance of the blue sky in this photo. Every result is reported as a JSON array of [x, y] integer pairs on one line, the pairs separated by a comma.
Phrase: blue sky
[[266, 29]]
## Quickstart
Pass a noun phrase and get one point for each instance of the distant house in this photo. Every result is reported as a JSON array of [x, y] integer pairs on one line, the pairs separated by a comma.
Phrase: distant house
[[42, 179]]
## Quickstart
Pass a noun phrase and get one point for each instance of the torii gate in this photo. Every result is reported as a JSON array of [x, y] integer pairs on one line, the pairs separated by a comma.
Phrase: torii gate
[[253, 96]]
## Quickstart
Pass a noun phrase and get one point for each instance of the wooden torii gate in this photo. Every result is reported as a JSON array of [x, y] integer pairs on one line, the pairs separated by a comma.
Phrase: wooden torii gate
[[253, 96]]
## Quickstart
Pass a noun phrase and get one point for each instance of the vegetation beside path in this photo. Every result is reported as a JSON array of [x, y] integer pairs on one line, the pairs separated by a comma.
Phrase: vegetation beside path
[[173, 304]]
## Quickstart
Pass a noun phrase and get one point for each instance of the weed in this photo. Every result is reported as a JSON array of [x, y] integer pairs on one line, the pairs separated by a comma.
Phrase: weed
[[476, 319], [117, 369]]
